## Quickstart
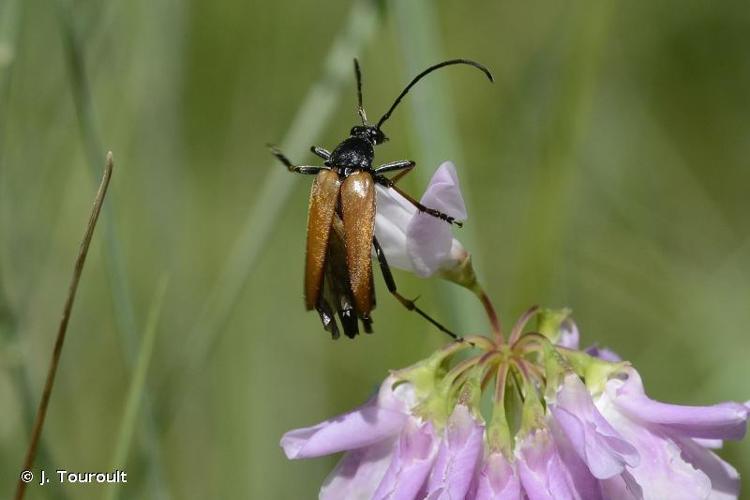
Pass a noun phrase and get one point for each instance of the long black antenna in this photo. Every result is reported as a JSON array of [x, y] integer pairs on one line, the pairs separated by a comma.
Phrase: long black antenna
[[422, 75], [360, 109]]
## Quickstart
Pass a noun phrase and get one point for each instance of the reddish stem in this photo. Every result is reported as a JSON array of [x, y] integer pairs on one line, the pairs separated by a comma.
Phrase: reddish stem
[[497, 329]]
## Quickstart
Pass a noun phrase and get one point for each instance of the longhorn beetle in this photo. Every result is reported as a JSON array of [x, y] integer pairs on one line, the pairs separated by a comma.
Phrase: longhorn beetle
[[341, 220]]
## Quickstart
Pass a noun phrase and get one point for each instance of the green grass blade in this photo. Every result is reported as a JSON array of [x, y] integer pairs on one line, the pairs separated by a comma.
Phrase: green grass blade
[[136, 392]]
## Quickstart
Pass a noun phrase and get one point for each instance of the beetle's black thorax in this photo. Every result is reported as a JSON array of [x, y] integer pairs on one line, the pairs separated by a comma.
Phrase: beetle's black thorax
[[353, 153]]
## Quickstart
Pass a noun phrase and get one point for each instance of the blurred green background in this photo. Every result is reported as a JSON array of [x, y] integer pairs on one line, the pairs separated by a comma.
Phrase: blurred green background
[[605, 170]]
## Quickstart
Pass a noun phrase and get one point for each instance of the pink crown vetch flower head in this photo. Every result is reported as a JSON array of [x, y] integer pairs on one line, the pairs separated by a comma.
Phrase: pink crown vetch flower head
[[587, 430], [564, 423]]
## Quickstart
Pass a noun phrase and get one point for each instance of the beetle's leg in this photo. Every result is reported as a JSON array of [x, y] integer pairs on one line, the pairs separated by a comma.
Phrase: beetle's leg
[[400, 175], [367, 323], [409, 304], [300, 169], [405, 165], [391, 183], [430, 211], [322, 152], [327, 317]]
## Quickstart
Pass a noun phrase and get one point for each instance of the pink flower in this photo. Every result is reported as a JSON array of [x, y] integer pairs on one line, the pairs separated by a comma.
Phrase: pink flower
[[673, 463], [379, 419], [595, 441], [392, 453], [583, 426], [418, 242], [410, 464], [497, 478], [587, 430], [458, 456], [543, 473]]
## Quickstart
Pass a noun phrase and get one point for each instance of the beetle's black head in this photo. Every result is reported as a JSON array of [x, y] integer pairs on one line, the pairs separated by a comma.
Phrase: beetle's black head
[[369, 133]]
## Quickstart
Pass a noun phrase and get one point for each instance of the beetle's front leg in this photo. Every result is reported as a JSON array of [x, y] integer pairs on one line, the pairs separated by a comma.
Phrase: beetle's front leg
[[300, 169], [322, 152], [406, 166]]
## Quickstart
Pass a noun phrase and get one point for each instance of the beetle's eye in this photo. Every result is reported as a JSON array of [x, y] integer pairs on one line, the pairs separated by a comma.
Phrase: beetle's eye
[[378, 136]]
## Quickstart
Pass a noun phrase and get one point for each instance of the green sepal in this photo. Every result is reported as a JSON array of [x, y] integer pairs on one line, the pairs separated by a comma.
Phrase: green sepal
[[431, 386], [421, 377], [555, 368], [549, 322], [469, 392], [462, 274], [426, 374], [594, 371], [498, 430], [533, 412]]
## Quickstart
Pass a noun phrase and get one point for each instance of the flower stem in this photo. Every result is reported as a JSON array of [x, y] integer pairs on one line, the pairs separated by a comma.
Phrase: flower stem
[[497, 328], [489, 309]]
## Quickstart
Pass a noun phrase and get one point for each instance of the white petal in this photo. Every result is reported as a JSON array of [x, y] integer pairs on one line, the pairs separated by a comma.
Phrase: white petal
[[428, 244], [392, 218]]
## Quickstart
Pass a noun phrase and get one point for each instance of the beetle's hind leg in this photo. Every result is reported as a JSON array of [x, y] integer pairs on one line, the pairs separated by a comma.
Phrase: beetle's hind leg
[[327, 318], [409, 304], [300, 169], [406, 166]]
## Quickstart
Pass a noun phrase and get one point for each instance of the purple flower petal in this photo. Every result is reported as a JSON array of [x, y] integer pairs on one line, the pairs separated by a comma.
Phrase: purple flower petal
[[544, 476], [457, 458], [428, 244], [586, 485], [725, 481], [378, 419], [662, 472], [595, 441], [497, 479], [720, 421], [603, 353], [412, 460], [429, 239], [417, 242], [622, 487], [444, 192], [713, 444], [568, 334], [359, 472]]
